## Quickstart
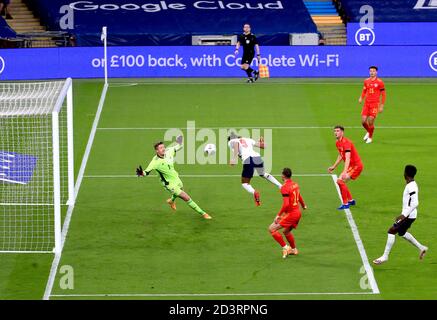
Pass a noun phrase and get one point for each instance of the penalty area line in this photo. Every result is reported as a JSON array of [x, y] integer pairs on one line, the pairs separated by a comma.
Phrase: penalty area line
[[358, 241]]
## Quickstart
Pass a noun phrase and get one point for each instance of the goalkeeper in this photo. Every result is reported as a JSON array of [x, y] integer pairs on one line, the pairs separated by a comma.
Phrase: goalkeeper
[[163, 164]]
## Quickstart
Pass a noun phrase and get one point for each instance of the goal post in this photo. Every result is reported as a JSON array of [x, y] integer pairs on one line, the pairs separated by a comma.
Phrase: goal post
[[36, 164]]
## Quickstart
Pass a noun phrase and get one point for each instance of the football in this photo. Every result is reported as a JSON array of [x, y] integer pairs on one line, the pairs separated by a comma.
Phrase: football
[[210, 149]]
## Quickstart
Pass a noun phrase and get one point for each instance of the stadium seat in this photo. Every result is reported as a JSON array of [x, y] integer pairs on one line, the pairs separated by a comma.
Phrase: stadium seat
[[390, 10], [176, 27]]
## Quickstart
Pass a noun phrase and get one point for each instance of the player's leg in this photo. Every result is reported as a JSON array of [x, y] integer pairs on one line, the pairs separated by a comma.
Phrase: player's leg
[[391, 238], [246, 177], [346, 195], [364, 121], [177, 190], [371, 125], [274, 231], [172, 201], [259, 167], [410, 238], [290, 238], [245, 65]]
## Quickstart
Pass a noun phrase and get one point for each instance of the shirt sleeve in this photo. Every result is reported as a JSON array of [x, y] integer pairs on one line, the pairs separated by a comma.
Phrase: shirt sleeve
[[150, 167], [255, 41], [413, 202], [363, 93], [347, 146]]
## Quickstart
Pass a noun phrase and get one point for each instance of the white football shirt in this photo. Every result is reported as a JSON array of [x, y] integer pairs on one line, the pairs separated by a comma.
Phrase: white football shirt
[[245, 147], [410, 200]]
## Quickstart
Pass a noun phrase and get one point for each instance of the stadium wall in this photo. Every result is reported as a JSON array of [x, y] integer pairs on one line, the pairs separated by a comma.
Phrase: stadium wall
[[216, 61]]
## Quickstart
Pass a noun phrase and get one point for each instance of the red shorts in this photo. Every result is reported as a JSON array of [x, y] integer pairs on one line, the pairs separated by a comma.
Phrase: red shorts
[[290, 220], [355, 171], [370, 109]]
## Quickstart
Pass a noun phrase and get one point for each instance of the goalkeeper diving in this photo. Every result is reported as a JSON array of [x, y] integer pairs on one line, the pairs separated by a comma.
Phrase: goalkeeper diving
[[163, 164]]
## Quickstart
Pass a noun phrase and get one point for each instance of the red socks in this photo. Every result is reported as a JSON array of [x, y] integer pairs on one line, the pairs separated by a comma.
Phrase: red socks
[[370, 130], [277, 236], [290, 239], [344, 190]]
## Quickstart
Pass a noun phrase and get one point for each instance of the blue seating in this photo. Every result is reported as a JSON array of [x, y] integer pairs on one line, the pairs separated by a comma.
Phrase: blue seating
[[140, 22], [321, 8], [392, 10], [5, 31]]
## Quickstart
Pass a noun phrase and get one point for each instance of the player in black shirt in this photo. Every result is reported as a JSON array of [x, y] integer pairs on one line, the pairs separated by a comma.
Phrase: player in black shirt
[[249, 43]]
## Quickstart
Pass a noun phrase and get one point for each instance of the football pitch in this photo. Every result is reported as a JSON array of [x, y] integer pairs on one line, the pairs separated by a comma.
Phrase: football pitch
[[124, 242]]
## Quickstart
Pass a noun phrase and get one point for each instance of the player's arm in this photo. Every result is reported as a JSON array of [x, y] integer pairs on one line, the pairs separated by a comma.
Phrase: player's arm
[[302, 202], [141, 172], [285, 206], [237, 46], [179, 143], [381, 104], [260, 144], [234, 153], [363, 94], [335, 165], [347, 161]]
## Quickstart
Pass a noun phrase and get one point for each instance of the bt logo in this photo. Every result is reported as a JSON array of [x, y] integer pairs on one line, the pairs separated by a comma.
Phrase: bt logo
[[2, 64], [365, 36], [433, 61]]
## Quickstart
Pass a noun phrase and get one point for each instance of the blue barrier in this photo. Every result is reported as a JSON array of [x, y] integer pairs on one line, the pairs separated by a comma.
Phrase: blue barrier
[[217, 61], [393, 33]]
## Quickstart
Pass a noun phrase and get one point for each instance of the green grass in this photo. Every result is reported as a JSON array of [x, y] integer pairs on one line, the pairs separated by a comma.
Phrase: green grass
[[123, 239]]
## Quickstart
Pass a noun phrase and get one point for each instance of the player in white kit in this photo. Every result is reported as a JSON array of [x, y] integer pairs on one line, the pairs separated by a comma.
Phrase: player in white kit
[[410, 202], [243, 148]]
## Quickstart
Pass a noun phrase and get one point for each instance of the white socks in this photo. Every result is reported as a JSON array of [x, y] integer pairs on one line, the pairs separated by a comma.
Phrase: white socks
[[390, 242], [272, 179], [248, 188], [409, 237]]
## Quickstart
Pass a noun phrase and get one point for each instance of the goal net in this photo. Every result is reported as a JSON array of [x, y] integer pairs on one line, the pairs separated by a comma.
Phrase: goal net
[[36, 164]]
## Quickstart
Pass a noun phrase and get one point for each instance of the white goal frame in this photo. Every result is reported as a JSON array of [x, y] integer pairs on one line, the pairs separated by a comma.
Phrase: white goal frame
[[66, 95]]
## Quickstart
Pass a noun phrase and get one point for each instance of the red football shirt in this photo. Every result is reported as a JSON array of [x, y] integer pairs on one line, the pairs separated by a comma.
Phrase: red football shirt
[[345, 145], [291, 197], [373, 89]]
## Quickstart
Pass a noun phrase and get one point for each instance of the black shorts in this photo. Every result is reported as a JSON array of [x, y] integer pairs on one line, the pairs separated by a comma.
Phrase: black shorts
[[251, 164], [402, 227], [247, 57]]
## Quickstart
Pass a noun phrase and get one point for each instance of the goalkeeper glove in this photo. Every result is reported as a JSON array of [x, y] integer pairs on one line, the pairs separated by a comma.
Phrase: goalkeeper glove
[[179, 139], [140, 172]]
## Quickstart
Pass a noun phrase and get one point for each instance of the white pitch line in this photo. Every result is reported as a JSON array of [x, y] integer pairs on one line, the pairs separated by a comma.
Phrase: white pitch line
[[57, 259], [359, 83], [198, 175], [358, 241], [264, 127], [209, 294]]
